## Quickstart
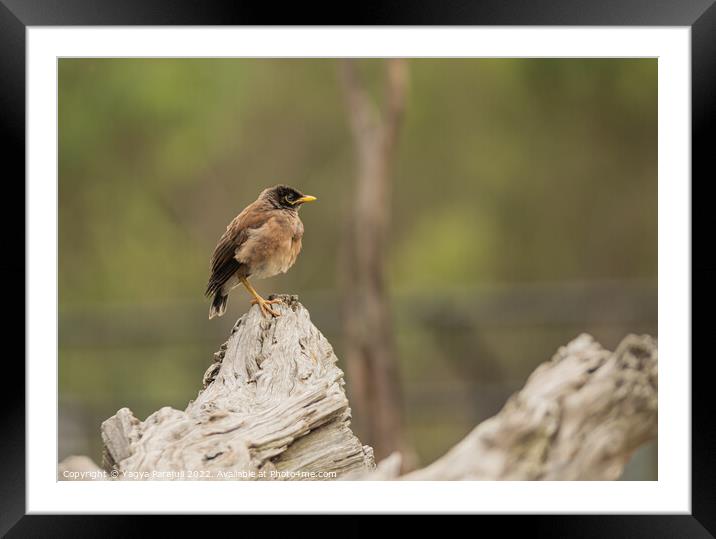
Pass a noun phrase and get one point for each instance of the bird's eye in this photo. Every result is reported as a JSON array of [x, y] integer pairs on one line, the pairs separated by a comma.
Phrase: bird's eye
[[290, 197]]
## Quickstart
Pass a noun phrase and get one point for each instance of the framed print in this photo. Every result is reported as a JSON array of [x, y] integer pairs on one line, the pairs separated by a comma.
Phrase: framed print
[[419, 265]]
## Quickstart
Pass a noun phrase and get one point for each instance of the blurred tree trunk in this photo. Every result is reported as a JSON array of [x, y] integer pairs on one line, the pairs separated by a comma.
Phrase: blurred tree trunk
[[369, 347]]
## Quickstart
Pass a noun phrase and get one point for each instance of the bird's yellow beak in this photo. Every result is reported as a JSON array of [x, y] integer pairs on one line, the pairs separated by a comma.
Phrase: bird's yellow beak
[[305, 198]]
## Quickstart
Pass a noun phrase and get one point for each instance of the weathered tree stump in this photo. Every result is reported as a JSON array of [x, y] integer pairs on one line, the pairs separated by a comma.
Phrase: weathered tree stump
[[273, 407]]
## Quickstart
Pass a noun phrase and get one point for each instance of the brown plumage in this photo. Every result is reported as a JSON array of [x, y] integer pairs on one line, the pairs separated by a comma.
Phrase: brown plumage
[[262, 241]]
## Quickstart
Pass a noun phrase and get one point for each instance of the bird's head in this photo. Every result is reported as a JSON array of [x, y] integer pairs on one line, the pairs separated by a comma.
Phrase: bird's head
[[285, 197]]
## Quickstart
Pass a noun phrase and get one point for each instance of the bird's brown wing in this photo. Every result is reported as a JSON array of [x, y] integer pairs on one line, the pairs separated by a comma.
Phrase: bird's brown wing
[[223, 263]]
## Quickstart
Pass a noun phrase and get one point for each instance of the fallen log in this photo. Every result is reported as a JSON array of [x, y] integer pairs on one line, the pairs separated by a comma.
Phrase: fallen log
[[580, 416], [273, 406]]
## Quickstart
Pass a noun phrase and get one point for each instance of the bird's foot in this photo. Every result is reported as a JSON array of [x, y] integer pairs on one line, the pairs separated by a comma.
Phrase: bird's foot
[[264, 305]]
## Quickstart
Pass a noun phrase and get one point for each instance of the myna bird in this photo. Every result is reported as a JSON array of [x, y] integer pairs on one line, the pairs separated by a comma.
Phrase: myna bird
[[262, 241]]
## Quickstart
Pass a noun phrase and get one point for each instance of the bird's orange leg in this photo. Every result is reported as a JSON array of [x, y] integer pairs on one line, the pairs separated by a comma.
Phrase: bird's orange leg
[[258, 300]]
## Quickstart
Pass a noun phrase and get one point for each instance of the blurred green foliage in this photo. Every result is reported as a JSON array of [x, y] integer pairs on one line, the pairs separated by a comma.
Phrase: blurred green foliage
[[512, 175]]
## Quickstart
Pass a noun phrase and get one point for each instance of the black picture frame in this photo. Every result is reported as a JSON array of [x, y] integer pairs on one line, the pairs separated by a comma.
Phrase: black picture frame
[[699, 15]]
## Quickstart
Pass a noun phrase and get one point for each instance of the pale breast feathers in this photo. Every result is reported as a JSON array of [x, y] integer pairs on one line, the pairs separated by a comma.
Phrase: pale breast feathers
[[271, 248]]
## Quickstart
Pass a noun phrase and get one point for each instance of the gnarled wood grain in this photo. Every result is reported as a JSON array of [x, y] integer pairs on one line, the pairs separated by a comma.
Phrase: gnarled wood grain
[[272, 406], [580, 416]]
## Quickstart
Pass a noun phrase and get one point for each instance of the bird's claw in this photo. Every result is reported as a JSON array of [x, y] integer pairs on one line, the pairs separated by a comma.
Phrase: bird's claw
[[264, 306]]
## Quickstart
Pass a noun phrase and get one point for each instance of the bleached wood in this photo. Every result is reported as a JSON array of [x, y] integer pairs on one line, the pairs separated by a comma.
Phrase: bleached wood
[[272, 406], [580, 416]]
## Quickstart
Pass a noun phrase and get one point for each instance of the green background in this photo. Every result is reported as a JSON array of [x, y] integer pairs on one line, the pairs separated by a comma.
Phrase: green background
[[524, 212]]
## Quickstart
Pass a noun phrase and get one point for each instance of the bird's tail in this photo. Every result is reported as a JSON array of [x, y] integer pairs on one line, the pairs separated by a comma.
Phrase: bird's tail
[[218, 305]]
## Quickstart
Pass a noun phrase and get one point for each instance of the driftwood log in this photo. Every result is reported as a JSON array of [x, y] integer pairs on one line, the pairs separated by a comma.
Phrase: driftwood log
[[580, 416], [273, 407]]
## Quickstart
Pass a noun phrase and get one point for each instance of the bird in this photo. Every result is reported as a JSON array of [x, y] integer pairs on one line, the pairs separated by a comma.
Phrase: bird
[[260, 242]]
